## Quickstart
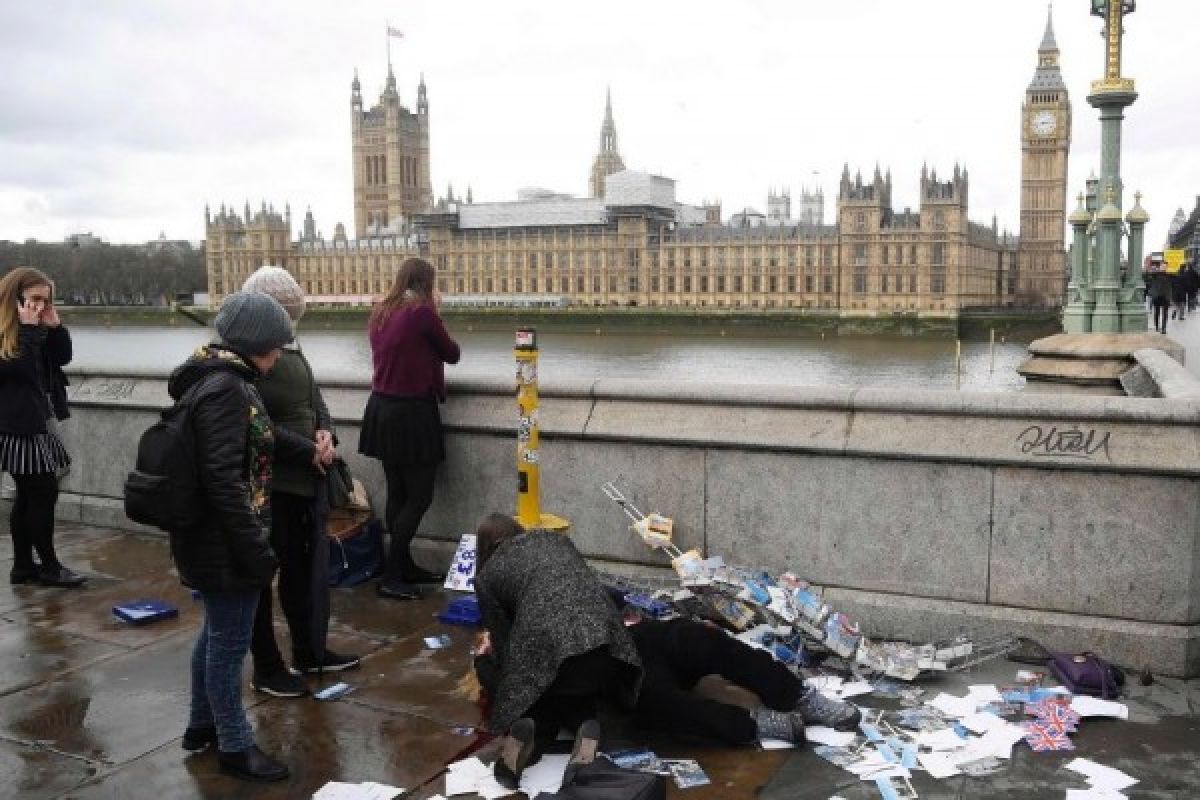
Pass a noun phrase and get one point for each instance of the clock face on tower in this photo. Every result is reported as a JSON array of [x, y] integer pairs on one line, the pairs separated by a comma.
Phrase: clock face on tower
[[1044, 123]]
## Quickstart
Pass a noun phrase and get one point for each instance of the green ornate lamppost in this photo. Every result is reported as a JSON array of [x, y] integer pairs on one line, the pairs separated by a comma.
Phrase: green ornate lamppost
[[1103, 297]]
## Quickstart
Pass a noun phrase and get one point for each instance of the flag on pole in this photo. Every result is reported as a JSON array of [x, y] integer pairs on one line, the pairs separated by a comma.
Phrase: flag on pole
[[399, 34]]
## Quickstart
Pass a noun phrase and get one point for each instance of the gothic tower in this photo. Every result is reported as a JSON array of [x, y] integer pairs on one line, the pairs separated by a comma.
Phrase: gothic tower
[[608, 160], [1045, 141], [391, 158]]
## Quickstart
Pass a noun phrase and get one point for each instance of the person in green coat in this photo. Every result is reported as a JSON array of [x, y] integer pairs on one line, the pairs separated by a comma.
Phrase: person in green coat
[[299, 510]]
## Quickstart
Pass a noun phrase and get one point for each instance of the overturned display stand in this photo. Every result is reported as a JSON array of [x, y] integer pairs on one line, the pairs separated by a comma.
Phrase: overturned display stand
[[785, 614]]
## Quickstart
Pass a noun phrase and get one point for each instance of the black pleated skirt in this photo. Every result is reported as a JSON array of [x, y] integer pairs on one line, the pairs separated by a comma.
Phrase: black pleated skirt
[[402, 431], [34, 454]]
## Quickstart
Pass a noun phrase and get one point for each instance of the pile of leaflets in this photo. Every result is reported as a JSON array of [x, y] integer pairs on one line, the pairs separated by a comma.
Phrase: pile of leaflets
[[972, 735], [787, 614]]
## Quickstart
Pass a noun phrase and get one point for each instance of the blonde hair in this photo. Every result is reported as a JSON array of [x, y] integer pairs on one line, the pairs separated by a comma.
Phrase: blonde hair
[[12, 286]]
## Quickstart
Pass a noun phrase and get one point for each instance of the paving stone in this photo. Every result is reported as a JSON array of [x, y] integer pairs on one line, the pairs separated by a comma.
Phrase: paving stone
[[31, 773], [319, 741], [30, 655]]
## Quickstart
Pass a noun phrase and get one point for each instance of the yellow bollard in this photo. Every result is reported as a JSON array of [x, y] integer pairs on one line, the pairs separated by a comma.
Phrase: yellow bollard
[[529, 501]]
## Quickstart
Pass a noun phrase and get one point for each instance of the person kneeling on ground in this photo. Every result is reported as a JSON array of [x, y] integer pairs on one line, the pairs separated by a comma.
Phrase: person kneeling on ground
[[677, 653], [557, 642]]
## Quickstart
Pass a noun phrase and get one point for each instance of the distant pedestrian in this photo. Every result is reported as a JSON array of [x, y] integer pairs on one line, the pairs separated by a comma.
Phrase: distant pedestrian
[[299, 510], [1178, 295], [34, 347], [227, 557], [1191, 282], [1158, 289], [402, 426]]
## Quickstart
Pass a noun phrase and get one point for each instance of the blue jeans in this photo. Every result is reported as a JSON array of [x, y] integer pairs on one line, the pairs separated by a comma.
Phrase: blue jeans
[[217, 668]]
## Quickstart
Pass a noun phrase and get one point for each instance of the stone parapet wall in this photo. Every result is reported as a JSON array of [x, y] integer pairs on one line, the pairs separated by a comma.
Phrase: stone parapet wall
[[1071, 518]]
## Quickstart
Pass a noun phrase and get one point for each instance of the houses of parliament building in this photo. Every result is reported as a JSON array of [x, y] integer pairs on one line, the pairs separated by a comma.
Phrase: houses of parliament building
[[632, 243]]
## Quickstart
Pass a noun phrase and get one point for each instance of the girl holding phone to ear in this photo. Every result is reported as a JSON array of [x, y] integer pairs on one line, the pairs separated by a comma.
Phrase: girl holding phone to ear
[[34, 347]]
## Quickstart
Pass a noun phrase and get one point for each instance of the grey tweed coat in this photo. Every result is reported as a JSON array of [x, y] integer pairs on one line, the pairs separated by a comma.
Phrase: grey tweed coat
[[542, 604]]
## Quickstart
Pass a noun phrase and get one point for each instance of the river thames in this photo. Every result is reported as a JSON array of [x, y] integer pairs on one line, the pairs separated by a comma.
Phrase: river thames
[[833, 361]]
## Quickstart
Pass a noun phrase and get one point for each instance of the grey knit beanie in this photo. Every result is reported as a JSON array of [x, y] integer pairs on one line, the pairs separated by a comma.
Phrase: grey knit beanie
[[253, 323], [279, 283]]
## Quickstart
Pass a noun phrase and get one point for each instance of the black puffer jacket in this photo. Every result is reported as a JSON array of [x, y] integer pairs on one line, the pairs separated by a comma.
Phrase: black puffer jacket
[[28, 377], [235, 448]]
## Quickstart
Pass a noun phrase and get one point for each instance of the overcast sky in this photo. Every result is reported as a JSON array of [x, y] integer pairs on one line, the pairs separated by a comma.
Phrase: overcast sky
[[125, 118]]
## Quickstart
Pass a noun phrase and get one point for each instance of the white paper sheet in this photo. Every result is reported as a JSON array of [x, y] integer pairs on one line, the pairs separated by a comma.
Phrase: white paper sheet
[[984, 693], [544, 776], [944, 739], [1100, 776], [954, 706], [854, 689], [464, 777], [368, 790], [819, 734], [1095, 707], [982, 722], [776, 744], [938, 765], [999, 740]]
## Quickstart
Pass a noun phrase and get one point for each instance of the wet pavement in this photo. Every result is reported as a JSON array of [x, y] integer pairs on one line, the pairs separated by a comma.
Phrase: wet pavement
[[93, 708]]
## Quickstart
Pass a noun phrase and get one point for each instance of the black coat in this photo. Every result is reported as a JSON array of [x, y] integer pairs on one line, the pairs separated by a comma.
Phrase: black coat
[[40, 351], [542, 604], [230, 550]]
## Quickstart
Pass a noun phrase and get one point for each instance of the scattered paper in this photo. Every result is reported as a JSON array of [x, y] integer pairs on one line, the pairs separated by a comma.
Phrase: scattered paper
[[982, 722], [819, 734], [938, 765], [776, 744], [544, 776], [954, 706], [1086, 706], [686, 772], [984, 693], [1100, 776], [437, 642], [337, 790], [464, 777], [945, 739], [854, 689]]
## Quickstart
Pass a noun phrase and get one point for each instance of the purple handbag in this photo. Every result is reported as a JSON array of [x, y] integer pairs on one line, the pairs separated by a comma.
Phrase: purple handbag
[[1087, 673]]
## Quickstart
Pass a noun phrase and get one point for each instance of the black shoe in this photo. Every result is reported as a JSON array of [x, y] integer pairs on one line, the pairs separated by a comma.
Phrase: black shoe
[[396, 590], [516, 753], [587, 745], [422, 575], [20, 575], [332, 662], [252, 764], [196, 739], [280, 683], [60, 576]]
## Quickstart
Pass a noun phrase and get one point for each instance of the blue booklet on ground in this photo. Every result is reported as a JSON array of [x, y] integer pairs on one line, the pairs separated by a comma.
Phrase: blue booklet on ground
[[141, 612]]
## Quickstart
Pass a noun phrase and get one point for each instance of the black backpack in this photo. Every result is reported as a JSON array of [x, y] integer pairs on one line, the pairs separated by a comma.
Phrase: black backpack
[[163, 490]]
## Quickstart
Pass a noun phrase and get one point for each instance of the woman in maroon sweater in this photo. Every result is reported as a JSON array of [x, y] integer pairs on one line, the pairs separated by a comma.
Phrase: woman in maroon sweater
[[401, 425]]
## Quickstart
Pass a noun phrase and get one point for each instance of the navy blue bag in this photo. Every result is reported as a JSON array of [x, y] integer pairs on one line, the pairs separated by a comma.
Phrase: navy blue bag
[[355, 552]]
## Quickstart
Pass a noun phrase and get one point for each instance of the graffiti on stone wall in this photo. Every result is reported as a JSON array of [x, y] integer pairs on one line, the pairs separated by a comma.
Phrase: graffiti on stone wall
[[108, 389], [1069, 442]]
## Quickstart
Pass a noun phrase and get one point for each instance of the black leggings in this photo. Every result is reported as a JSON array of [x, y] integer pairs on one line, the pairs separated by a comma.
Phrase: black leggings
[[409, 495], [32, 520], [296, 547], [1160, 316], [678, 653]]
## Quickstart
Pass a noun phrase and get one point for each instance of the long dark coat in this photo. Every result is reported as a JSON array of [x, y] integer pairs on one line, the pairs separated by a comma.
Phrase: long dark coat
[[542, 604]]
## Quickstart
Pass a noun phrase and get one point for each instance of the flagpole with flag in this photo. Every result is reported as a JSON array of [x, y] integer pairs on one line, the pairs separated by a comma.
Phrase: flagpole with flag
[[392, 32]]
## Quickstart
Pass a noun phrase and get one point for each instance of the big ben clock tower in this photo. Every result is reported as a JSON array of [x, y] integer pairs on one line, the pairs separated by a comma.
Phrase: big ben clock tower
[[1045, 140]]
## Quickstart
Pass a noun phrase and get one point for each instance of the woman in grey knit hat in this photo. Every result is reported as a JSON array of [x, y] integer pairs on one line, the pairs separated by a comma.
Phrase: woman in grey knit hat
[[299, 507], [226, 556]]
